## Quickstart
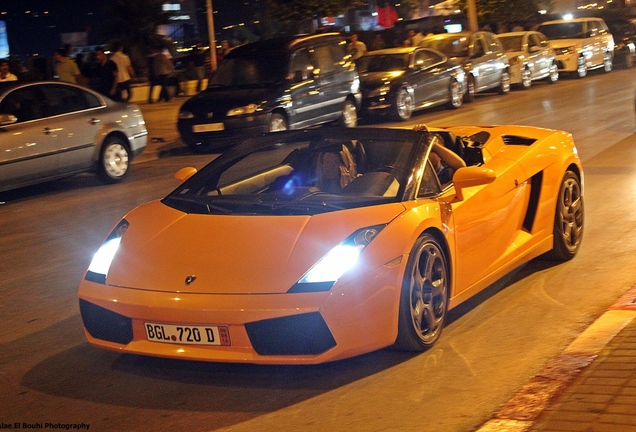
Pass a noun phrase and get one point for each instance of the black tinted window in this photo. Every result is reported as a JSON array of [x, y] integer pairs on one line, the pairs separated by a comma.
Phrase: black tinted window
[[62, 99], [25, 103]]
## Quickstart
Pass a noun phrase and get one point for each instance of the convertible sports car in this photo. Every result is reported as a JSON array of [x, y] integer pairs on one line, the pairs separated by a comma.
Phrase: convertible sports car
[[302, 247]]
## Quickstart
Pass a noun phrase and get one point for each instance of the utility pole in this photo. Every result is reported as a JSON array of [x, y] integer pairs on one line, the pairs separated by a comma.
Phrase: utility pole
[[211, 37], [472, 16]]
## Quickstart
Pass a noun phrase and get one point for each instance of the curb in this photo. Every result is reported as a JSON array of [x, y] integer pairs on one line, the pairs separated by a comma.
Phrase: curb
[[524, 408]]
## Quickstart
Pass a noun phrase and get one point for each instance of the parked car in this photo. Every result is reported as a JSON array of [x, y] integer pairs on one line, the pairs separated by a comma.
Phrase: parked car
[[401, 80], [530, 56], [482, 55], [624, 34], [273, 85], [52, 129], [290, 246], [581, 44]]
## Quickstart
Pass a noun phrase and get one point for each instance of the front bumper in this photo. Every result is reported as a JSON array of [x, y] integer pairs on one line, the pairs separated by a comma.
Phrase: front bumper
[[299, 328]]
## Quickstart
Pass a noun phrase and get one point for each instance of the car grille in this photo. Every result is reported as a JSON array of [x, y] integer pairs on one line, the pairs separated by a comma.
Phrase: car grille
[[304, 334], [106, 325]]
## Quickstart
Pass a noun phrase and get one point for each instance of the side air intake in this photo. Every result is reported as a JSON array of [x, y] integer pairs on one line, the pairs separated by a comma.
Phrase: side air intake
[[517, 140]]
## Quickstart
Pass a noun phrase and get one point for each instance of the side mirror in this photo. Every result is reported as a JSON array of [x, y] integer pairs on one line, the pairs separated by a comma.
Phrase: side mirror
[[471, 176], [185, 173], [7, 119]]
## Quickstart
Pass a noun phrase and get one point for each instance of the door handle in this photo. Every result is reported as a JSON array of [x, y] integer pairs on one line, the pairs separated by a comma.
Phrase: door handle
[[47, 131], [93, 121]]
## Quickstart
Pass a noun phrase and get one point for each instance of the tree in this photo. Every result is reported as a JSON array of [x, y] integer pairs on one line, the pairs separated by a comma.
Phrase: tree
[[293, 12], [135, 23], [505, 12]]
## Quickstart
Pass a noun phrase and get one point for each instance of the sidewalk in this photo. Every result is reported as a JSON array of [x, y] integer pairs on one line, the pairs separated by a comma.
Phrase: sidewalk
[[591, 386], [161, 122]]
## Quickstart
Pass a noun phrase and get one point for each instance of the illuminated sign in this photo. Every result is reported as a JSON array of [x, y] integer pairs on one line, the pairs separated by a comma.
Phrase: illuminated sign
[[4, 41]]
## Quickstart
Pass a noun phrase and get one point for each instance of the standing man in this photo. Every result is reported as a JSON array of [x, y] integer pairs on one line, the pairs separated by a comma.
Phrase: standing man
[[66, 69], [124, 72], [5, 74], [105, 78], [356, 48]]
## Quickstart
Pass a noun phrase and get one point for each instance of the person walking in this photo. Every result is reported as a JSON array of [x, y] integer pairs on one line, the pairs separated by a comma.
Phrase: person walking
[[105, 75], [356, 47], [125, 72], [66, 68], [163, 68]]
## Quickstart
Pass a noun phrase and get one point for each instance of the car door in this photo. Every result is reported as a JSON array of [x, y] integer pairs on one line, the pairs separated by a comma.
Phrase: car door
[[333, 88], [28, 152], [74, 118], [483, 69], [304, 88], [535, 55], [429, 79]]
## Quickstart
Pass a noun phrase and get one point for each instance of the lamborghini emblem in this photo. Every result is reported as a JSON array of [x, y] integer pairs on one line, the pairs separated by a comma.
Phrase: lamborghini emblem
[[190, 279]]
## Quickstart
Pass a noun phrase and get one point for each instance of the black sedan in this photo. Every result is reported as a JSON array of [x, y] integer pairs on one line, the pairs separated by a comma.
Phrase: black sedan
[[399, 81], [624, 33]]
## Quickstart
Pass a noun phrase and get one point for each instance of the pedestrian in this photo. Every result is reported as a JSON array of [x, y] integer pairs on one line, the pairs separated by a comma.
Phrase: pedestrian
[[356, 47], [105, 75], [163, 68], [125, 72], [5, 74], [66, 68], [197, 61]]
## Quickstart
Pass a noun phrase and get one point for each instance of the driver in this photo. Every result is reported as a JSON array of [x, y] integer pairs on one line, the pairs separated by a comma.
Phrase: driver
[[444, 160]]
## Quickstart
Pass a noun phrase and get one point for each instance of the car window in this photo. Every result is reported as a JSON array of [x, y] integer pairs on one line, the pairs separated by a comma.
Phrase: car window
[[324, 59], [492, 44], [425, 59], [511, 43], [301, 66], [382, 63], [564, 30], [533, 41], [62, 99], [478, 47], [543, 40], [24, 103], [451, 46], [430, 185]]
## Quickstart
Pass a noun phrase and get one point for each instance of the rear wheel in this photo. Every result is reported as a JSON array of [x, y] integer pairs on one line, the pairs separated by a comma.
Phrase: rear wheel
[[629, 60], [455, 92], [553, 76], [424, 297], [277, 123], [526, 78], [403, 105], [114, 160], [568, 219], [349, 117]]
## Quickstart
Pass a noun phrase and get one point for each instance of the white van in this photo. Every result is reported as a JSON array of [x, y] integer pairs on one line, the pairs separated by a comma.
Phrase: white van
[[580, 44]]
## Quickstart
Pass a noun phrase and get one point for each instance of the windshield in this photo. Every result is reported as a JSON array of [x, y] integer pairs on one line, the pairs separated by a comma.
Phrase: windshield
[[511, 43], [383, 63], [451, 46], [300, 176], [567, 30], [253, 71]]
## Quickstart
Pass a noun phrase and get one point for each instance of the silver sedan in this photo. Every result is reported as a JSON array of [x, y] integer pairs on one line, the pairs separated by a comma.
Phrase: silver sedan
[[530, 57], [50, 130]]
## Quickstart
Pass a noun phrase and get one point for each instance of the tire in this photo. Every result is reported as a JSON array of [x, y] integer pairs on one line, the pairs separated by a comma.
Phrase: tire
[[581, 68], [114, 160], [553, 76], [277, 123], [607, 62], [568, 219], [455, 92], [504, 84], [403, 105], [349, 116], [424, 297], [469, 96], [526, 78]]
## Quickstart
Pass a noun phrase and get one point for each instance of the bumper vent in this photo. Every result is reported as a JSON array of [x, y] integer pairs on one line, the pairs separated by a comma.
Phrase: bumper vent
[[304, 334], [106, 325]]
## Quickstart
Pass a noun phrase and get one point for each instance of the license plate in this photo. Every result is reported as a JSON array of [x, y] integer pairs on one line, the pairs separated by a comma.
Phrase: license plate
[[209, 127], [187, 334]]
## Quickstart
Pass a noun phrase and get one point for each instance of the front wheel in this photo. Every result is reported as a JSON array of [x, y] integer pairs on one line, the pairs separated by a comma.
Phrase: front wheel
[[607, 62], [581, 68], [455, 92], [349, 116], [277, 123], [568, 219], [553, 76], [424, 297], [114, 160], [504, 84], [403, 105], [526, 78]]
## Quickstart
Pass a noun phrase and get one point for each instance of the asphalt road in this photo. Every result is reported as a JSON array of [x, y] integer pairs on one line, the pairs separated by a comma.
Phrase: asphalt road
[[491, 347]]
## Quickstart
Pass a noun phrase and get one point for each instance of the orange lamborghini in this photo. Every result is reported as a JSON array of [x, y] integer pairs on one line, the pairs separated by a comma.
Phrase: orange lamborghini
[[303, 247]]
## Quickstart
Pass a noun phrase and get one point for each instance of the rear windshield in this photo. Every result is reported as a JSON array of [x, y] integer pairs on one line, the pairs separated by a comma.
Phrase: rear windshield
[[568, 30]]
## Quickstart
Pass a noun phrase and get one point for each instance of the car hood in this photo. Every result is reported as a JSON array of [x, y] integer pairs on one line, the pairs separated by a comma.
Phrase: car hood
[[372, 80], [227, 98], [231, 254]]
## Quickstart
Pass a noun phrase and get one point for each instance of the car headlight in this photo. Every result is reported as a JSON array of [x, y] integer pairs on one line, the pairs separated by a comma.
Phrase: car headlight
[[247, 109], [98, 269], [185, 115], [326, 272]]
